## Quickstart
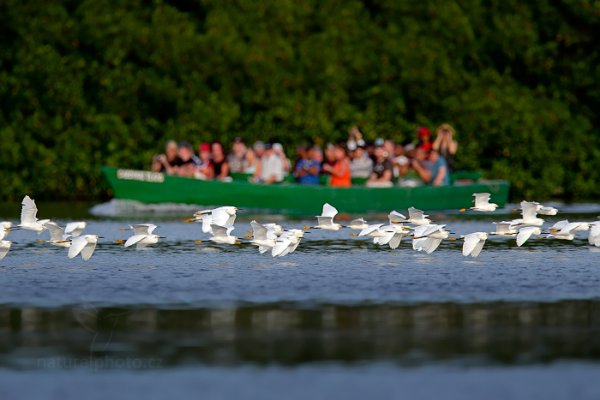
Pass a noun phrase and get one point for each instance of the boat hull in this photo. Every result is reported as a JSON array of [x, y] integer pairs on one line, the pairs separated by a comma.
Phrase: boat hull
[[151, 188]]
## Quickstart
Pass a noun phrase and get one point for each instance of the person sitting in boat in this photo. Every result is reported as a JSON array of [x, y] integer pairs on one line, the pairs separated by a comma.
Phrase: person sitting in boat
[[424, 141], [408, 175], [340, 170], [278, 150], [361, 165], [219, 163], [328, 158], [400, 162], [317, 155], [300, 154], [390, 149], [272, 166], [377, 143], [444, 143], [205, 169], [168, 162], [439, 169], [237, 157], [250, 162], [307, 169], [259, 152], [189, 161], [382, 169], [431, 168]]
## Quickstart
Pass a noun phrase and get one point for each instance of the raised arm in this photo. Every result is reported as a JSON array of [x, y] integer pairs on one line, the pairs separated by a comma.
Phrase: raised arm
[[452, 146], [437, 143], [423, 172], [440, 176]]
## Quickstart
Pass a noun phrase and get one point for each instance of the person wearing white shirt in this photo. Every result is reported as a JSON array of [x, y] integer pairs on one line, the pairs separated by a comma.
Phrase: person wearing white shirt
[[272, 166]]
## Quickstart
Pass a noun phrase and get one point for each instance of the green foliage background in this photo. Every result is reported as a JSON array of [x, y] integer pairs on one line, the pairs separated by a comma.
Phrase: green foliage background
[[88, 83]]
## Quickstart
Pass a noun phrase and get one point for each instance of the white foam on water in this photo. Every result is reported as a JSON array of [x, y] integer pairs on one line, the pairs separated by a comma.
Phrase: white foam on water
[[118, 208]]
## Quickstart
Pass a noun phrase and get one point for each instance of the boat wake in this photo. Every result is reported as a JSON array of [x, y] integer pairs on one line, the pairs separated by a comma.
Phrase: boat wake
[[120, 208]]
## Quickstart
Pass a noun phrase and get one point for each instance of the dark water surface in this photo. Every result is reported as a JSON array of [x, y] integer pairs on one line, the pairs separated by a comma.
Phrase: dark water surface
[[340, 312]]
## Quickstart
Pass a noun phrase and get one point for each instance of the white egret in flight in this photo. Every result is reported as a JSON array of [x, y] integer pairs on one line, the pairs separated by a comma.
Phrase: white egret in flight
[[142, 236], [325, 220], [84, 245], [474, 243]]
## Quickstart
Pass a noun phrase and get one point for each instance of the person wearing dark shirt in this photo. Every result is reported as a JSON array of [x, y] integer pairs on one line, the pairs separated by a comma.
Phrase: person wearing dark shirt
[[220, 165], [189, 161], [382, 168], [168, 162]]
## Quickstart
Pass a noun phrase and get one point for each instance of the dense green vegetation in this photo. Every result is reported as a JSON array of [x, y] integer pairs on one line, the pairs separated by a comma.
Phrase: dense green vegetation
[[87, 83]]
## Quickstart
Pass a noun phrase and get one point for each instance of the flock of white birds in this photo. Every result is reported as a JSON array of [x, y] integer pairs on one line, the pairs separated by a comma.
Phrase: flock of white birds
[[270, 237]]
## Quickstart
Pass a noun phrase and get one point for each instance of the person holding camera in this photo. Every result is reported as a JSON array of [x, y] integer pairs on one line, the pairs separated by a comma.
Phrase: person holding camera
[[169, 162], [445, 144]]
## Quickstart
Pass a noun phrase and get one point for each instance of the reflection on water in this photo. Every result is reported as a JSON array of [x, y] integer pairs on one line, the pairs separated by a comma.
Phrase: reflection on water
[[489, 333], [336, 312]]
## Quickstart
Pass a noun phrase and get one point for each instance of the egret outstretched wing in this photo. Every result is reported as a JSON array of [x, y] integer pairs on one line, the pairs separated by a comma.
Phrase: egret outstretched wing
[[395, 240], [414, 213], [505, 228], [470, 244], [420, 244], [386, 237], [259, 232], [28, 210], [274, 230], [143, 229], [222, 216], [329, 211], [77, 245], [281, 247], [529, 210], [571, 227], [206, 223], [395, 217], [134, 240], [88, 250], [482, 199], [75, 229], [294, 246], [525, 233], [56, 232], [220, 231], [559, 225], [477, 249], [4, 248], [426, 230], [434, 243], [417, 217], [370, 230]]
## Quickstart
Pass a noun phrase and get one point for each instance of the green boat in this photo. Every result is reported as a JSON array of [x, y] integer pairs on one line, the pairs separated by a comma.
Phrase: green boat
[[295, 199]]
